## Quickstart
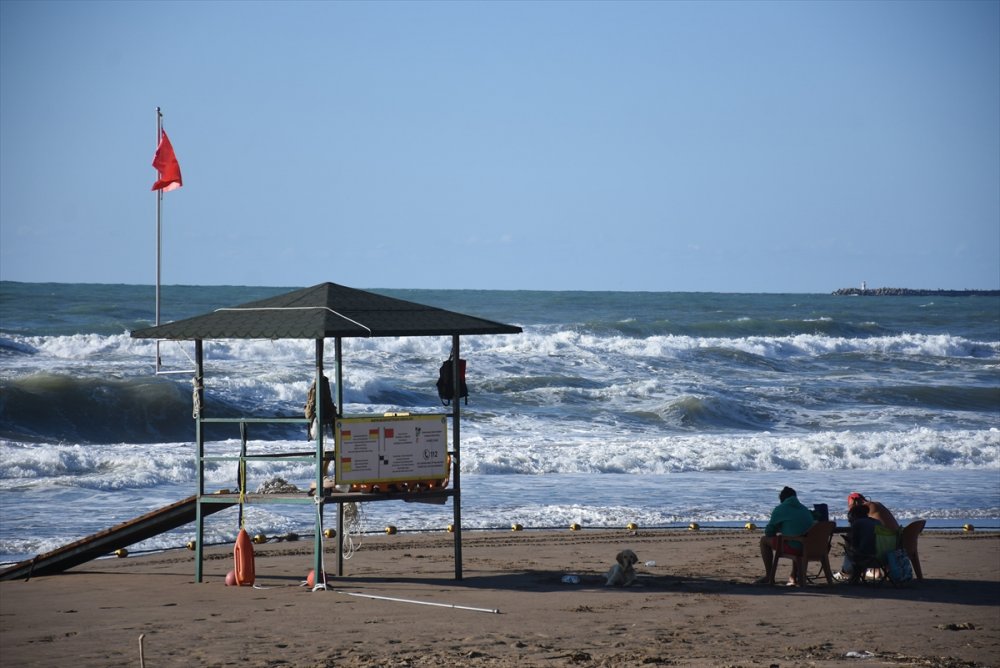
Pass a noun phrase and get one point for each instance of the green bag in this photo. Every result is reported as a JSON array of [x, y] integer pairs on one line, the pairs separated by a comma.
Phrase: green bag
[[886, 540]]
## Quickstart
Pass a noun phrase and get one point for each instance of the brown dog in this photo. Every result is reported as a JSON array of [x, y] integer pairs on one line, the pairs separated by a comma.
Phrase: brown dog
[[622, 574]]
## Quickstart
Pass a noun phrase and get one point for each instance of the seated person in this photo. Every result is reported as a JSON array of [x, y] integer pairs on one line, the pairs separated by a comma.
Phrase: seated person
[[860, 545], [789, 518], [876, 510]]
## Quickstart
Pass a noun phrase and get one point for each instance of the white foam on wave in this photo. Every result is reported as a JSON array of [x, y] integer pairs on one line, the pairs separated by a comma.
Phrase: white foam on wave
[[415, 359], [81, 346], [98, 467], [109, 468], [922, 448], [943, 345]]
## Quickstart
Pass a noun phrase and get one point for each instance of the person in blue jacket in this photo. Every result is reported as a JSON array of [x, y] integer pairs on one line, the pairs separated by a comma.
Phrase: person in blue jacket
[[790, 518]]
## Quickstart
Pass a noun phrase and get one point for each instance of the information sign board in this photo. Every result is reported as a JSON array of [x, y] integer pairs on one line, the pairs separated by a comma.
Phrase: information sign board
[[391, 449]]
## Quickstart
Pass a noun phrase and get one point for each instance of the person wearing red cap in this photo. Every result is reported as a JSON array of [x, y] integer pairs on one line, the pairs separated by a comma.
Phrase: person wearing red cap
[[876, 510], [861, 542], [873, 511]]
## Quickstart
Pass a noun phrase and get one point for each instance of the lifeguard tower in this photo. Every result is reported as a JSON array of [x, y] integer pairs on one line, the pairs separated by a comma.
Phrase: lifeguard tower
[[322, 312]]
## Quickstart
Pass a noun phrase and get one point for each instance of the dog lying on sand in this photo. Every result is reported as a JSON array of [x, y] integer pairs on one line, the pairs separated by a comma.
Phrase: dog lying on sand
[[622, 574]]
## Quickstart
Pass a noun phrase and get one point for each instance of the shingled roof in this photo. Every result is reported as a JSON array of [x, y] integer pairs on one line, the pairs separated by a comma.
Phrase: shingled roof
[[324, 311]]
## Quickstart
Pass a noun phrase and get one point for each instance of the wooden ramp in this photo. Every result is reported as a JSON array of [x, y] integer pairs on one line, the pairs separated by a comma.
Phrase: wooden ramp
[[107, 541]]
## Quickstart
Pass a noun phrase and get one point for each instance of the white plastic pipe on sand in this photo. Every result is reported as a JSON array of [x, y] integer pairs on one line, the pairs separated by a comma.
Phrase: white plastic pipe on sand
[[494, 611]]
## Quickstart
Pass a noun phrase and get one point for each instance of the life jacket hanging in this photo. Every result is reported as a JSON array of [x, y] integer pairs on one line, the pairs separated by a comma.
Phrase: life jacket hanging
[[446, 385]]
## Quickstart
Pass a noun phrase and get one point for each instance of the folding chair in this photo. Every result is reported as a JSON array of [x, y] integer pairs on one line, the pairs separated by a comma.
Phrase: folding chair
[[865, 564], [886, 542]]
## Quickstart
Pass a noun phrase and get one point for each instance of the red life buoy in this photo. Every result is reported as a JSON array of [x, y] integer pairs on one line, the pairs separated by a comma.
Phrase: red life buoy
[[243, 555]]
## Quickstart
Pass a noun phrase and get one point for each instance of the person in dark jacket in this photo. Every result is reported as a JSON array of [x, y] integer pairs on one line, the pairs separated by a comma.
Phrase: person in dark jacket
[[861, 545], [862, 530]]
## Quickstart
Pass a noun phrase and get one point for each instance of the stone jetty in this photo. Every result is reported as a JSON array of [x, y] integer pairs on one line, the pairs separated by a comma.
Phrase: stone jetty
[[908, 292]]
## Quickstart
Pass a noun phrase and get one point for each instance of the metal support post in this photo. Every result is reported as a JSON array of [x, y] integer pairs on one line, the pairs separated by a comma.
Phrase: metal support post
[[198, 396], [456, 459], [318, 540]]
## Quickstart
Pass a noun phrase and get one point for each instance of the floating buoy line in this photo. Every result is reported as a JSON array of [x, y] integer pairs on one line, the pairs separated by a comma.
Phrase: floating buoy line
[[516, 527]]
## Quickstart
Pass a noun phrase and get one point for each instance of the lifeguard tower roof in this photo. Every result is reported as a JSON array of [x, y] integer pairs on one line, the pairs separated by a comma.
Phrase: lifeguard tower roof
[[323, 311]]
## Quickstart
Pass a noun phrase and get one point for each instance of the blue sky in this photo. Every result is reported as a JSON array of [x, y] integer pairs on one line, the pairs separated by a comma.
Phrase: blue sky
[[665, 146]]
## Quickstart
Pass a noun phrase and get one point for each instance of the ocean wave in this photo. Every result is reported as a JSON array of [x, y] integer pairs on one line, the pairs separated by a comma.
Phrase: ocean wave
[[57, 408], [946, 397], [113, 467], [716, 413], [543, 341], [107, 467], [585, 348], [733, 328], [99, 389], [915, 449], [126, 466], [12, 347]]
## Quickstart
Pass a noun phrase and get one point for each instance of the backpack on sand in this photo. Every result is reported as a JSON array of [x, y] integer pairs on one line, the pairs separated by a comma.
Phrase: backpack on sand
[[899, 566]]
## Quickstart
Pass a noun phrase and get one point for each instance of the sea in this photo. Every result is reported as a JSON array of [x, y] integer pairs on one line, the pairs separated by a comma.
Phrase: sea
[[659, 409]]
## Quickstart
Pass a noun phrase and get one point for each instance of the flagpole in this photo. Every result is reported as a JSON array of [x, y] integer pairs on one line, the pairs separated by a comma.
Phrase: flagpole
[[159, 213], [168, 178]]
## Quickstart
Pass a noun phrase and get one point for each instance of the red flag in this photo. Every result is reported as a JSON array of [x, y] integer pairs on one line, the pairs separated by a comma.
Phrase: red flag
[[166, 164]]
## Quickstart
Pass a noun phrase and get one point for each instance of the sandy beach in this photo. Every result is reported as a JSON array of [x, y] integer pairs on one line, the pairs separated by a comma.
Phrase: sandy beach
[[697, 606]]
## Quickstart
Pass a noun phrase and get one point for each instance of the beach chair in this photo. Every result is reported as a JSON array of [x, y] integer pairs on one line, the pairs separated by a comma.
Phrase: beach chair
[[875, 568], [815, 548], [908, 541], [867, 567]]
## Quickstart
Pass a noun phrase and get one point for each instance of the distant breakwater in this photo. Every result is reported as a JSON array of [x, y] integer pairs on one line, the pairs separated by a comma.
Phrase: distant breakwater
[[908, 292]]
